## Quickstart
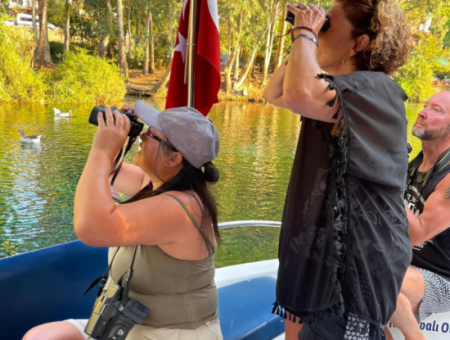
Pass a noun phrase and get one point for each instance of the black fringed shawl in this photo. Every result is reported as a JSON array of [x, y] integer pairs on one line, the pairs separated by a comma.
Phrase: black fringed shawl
[[344, 245]]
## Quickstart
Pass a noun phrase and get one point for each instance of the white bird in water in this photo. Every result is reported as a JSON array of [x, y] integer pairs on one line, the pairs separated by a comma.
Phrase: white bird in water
[[59, 113], [29, 139]]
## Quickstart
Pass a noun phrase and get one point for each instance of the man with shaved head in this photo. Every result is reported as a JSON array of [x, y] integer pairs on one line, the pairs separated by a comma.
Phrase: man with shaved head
[[426, 287]]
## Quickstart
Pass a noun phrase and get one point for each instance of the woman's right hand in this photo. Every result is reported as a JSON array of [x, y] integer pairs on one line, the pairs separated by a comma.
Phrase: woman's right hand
[[308, 15]]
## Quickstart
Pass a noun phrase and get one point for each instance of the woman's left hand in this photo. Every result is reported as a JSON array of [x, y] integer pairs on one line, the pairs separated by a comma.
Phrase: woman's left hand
[[111, 135], [308, 15]]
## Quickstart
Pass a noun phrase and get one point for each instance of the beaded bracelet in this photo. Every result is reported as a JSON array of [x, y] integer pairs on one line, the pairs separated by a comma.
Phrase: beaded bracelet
[[292, 30], [307, 37]]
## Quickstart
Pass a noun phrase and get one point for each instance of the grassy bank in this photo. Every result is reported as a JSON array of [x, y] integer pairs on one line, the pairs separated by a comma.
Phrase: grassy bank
[[79, 77]]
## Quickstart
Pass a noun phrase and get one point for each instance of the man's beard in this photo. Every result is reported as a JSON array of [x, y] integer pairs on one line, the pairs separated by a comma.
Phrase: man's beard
[[433, 135]]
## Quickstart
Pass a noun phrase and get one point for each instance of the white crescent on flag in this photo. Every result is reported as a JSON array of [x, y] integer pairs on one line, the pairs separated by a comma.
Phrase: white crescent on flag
[[212, 5], [184, 8]]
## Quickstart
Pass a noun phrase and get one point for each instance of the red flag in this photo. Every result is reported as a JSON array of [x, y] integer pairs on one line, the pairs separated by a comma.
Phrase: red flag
[[207, 59]]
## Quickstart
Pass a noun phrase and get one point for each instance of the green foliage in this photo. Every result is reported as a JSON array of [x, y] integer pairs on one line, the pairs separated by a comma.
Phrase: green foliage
[[83, 78], [18, 82], [56, 50], [416, 77]]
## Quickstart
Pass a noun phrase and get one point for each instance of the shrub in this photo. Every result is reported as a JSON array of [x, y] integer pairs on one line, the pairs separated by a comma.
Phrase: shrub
[[18, 82], [56, 50], [83, 78], [425, 62]]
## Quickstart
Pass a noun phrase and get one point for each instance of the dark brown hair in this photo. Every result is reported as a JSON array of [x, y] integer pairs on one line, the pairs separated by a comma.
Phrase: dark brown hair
[[389, 32], [189, 178]]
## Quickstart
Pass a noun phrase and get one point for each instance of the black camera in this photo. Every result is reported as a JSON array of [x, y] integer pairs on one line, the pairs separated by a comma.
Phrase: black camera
[[290, 17], [113, 318], [136, 126]]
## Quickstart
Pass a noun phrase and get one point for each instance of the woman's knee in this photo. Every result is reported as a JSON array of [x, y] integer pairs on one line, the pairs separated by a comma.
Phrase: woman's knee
[[54, 331]]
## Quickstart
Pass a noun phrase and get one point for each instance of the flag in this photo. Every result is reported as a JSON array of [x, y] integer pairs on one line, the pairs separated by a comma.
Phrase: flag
[[206, 59]]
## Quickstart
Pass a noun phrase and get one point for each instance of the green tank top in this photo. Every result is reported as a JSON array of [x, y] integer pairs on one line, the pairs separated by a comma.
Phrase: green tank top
[[179, 294]]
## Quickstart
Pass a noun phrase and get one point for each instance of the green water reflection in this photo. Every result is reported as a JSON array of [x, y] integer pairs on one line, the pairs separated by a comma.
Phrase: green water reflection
[[37, 183]]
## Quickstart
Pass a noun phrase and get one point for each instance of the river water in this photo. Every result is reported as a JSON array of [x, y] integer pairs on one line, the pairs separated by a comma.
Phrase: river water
[[37, 183]]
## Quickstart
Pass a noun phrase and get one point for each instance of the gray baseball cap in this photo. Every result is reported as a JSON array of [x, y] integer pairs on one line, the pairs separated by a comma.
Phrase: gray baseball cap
[[191, 133]]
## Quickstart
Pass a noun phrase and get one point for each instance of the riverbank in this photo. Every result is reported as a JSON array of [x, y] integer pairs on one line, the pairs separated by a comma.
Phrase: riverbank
[[142, 86]]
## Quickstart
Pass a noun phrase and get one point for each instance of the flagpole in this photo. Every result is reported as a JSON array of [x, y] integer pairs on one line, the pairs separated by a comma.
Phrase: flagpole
[[192, 45]]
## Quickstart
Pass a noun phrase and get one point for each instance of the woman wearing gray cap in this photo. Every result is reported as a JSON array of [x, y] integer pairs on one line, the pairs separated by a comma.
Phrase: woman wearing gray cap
[[169, 223]]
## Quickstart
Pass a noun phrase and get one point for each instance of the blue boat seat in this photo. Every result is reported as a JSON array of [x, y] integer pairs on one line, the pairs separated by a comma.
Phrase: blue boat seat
[[245, 310], [47, 285]]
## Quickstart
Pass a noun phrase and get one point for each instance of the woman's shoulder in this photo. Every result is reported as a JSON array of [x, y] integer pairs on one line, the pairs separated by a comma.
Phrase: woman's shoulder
[[188, 200], [361, 80]]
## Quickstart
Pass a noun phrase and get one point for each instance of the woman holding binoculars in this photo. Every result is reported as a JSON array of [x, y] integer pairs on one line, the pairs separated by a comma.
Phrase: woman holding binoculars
[[168, 228], [344, 245]]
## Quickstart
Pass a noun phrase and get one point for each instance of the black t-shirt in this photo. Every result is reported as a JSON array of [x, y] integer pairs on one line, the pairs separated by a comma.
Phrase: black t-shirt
[[434, 254], [357, 259]]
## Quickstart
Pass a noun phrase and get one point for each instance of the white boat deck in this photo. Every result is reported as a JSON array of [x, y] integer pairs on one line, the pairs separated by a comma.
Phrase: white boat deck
[[436, 327]]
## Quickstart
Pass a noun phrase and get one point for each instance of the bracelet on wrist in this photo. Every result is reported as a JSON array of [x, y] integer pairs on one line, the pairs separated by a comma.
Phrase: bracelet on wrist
[[302, 27], [307, 37]]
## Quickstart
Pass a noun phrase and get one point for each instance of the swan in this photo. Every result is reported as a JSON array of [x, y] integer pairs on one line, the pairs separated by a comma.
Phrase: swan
[[29, 139], [59, 113]]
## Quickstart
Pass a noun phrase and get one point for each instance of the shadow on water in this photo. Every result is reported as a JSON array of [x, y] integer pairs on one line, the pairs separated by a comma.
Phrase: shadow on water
[[37, 182]]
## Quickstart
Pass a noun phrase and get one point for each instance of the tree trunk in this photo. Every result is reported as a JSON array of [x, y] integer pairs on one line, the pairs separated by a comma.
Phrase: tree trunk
[[237, 64], [67, 28], [170, 27], [165, 78], [42, 57], [121, 42], [104, 39], [281, 45], [147, 40], [152, 46], [33, 16], [228, 69], [250, 62], [138, 20], [129, 35], [269, 43], [266, 54]]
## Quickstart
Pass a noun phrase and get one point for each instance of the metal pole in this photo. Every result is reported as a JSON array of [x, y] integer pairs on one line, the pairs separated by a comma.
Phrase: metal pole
[[192, 50]]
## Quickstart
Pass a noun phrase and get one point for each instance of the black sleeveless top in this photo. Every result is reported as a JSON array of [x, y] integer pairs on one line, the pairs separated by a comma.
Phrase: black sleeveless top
[[434, 254], [344, 243]]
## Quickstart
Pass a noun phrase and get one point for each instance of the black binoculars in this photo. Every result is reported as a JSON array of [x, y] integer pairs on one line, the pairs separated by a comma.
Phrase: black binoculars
[[290, 17], [136, 126]]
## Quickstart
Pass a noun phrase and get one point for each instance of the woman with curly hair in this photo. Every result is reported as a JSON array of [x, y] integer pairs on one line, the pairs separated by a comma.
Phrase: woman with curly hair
[[344, 244]]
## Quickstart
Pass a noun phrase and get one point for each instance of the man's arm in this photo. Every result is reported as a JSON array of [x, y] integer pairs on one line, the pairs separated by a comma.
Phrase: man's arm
[[435, 217]]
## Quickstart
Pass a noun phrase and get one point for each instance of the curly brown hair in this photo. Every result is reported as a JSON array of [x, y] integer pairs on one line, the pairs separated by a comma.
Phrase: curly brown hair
[[389, 32]]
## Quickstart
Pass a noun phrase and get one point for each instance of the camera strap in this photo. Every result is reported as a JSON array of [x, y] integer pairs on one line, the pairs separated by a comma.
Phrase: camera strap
[[126, 289], [102, 279], [118, 163]]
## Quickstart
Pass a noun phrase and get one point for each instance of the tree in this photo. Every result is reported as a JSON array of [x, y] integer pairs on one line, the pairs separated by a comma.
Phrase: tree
[[121, 39], [269, 41], [149, 52], [67, 27], [105, 33], [281, 43], [33, 17], [42, 52], [251, 60]]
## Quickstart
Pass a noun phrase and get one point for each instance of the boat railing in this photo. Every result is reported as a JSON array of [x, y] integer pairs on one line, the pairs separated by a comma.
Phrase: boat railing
[[249, 223]]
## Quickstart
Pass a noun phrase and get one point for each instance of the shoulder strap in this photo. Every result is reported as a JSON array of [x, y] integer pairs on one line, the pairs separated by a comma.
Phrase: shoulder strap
[[205, 238]]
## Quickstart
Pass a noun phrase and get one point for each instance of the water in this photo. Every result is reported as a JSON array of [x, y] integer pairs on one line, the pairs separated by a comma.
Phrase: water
[[37, 183]]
